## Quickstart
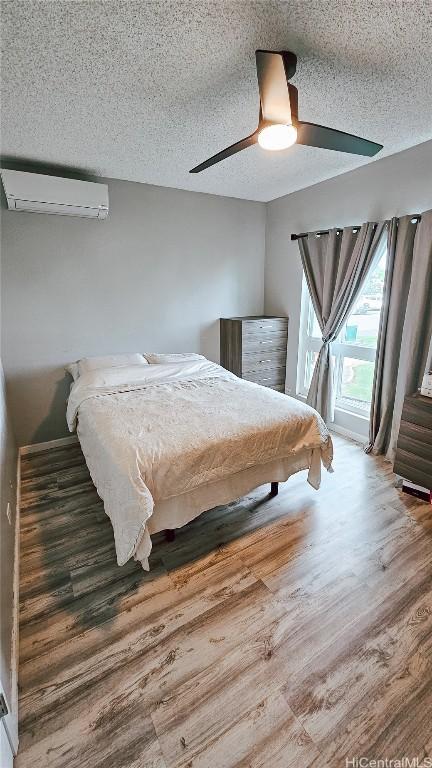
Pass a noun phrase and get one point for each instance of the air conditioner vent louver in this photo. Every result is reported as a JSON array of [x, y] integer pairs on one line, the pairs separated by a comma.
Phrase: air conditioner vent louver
[[36, 193]]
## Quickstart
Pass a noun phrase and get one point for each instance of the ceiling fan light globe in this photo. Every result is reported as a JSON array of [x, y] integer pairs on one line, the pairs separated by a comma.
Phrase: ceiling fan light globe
[[277, 137]]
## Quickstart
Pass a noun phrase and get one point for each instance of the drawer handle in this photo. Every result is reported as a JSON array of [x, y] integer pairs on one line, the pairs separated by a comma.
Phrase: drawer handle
[[266, 342], [264, 361], [266, 326]]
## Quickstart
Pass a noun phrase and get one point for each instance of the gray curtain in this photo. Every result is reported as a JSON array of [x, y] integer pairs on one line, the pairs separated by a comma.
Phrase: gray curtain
[[400, 247], [417, 327], [335, 267]]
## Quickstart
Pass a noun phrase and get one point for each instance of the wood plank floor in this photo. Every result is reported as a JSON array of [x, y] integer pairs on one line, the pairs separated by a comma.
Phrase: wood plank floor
[[273, 633]]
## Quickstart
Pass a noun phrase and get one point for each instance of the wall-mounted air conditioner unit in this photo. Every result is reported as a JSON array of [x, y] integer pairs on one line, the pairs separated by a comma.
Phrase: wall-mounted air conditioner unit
[[37, 193]]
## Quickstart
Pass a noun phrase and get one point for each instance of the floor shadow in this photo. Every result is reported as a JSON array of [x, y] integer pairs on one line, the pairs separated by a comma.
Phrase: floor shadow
[[54, 422], [218, 527], [80, 571]]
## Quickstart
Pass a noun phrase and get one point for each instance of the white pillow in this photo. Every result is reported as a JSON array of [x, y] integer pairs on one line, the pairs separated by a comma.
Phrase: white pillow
[[116, 376], [109, 361], [178, 357]]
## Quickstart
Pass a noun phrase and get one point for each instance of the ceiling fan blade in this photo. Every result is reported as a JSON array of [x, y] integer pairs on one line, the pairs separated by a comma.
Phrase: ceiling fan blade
[[231, 150], [273, 71], [328, 138]]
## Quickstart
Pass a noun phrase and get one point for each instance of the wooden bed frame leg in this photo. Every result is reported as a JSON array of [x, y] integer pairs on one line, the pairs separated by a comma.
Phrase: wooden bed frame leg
[[274, 489], [170, 534]]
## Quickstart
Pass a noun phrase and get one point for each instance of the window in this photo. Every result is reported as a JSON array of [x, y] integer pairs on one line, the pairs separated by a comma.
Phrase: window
[[354, 350]]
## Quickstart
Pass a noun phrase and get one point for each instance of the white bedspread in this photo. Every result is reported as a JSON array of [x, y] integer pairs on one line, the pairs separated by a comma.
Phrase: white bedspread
[[153, 432]]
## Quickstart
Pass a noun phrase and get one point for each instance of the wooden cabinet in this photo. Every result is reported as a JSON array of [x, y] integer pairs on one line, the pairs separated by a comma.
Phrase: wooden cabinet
[[254, 348], [414, 447]]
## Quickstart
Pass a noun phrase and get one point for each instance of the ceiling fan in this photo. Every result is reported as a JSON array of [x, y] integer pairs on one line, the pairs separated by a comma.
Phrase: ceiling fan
[[278, 123]]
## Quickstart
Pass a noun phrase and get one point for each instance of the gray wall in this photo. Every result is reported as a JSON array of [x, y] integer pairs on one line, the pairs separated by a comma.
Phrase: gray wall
[[393, 186], [8, 469], [155, 276], [162, 269]]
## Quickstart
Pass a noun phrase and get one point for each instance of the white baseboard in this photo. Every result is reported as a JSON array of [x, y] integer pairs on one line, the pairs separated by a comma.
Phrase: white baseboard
[[5, 748], [13, 731], [347, 433], [38, 447], [10, 721]]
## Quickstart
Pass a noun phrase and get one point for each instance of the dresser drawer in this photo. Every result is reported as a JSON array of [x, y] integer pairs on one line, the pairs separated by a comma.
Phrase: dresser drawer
[[417, 409], [262, 326], [272, 377], [262, 360], [272, 340]]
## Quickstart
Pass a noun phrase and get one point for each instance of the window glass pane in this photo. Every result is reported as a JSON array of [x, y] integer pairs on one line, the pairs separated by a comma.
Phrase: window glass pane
[[362, 325], [311, 358], [362, 328], [356, 384], [315, 330]]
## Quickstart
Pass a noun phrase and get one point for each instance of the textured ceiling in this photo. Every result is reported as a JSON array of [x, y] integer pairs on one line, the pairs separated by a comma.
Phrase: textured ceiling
[[146, 90]]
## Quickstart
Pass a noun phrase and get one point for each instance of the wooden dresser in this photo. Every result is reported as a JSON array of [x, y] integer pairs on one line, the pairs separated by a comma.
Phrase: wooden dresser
[[414, 447], [254, 348]]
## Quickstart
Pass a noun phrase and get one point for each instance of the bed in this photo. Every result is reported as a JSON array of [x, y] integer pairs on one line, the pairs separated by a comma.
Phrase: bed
[[167, 441]]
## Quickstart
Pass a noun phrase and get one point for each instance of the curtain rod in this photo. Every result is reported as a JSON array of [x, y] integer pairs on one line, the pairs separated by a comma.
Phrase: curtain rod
[[416, 218], [318, 234]]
